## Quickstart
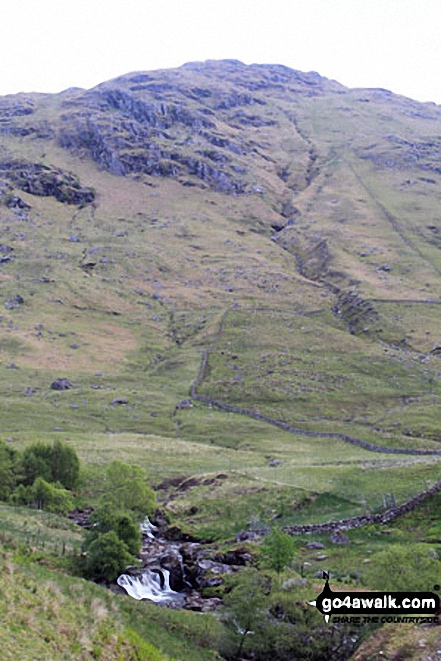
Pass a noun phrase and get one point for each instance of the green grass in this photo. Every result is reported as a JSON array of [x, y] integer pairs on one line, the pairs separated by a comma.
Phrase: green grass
[[40, 529], [49, 615], [314, 375], [170, 260]]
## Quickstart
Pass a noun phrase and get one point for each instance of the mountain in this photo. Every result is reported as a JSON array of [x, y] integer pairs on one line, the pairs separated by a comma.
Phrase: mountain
[[229, 273], [134, 213]]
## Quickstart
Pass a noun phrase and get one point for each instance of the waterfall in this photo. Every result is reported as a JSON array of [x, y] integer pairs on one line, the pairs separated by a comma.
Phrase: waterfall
[[147, 528], [165, 562], [153, 584]]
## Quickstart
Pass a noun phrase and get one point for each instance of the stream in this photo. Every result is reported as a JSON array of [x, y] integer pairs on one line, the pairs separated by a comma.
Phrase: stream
[[175, 573]]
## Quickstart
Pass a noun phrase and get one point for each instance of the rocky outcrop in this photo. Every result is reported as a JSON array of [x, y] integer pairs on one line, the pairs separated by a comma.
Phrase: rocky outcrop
[[358, 313], [401, 154], [188, 566], [41, 130], [16, 107], [312, 257], [14, 302], [46, 181], [138, 140]]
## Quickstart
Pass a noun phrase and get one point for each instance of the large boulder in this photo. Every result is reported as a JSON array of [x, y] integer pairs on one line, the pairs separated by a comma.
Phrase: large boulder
[[61, 384]]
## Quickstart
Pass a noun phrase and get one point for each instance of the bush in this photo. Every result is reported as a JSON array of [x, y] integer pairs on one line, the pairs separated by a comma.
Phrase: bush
[[20, 495], [7, 470], [49, 497], [108, 518], [106, 557], [56, 463], [127, 489]]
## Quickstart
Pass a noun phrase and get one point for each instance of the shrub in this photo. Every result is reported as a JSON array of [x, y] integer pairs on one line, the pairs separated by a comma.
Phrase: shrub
[[7, 470], [108, 518], [106, 557], [128, 490], [49, 497], [54, 463]]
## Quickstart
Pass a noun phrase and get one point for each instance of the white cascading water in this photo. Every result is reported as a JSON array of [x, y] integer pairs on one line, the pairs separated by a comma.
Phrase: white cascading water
[[147, 528], [153, 584]]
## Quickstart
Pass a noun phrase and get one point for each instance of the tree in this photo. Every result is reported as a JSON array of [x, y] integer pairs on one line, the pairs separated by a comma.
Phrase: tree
[[7, 470], [54, 463], [278, 550], [48, 497], [64, 464], [20, 495], [128, 490], [108, 518], [106, 557], [245, 614], [34, 463]]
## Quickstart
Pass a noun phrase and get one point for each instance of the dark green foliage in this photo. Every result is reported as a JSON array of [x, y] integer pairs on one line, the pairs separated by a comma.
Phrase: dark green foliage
[[65, 465], [44, 496], [7, 470], [109, 523], [20, 495], [108, 518], [34, 463], [106, 557], [54, 463]]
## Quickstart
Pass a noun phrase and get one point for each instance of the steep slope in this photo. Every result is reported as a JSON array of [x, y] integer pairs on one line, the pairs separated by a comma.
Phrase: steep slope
[[135, 214]]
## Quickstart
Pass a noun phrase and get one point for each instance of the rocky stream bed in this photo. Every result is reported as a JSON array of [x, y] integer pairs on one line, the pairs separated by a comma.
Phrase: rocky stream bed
[[174, 569]]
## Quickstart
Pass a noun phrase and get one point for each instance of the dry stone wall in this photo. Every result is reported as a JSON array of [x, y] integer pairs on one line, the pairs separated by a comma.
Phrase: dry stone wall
[[330, 526]]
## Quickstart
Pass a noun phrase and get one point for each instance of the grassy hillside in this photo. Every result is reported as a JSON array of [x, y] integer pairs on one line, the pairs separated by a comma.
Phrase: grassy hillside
[[282, 222]]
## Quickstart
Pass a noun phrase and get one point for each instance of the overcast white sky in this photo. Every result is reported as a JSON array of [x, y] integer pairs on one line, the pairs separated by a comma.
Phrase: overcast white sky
[[49, 45]]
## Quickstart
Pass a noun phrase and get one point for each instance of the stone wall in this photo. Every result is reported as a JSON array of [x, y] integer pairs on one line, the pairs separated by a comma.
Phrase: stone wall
[[330, 526], [293, 430]]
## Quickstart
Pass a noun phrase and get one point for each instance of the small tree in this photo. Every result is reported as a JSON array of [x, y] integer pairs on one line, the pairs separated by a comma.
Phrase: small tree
[[54, 463], [108, 518], [127, 489], [64, 464], [21, 495], [7, 470], [48, 497], [34, 463], [106, 557], [278, 550], [245, 615]]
